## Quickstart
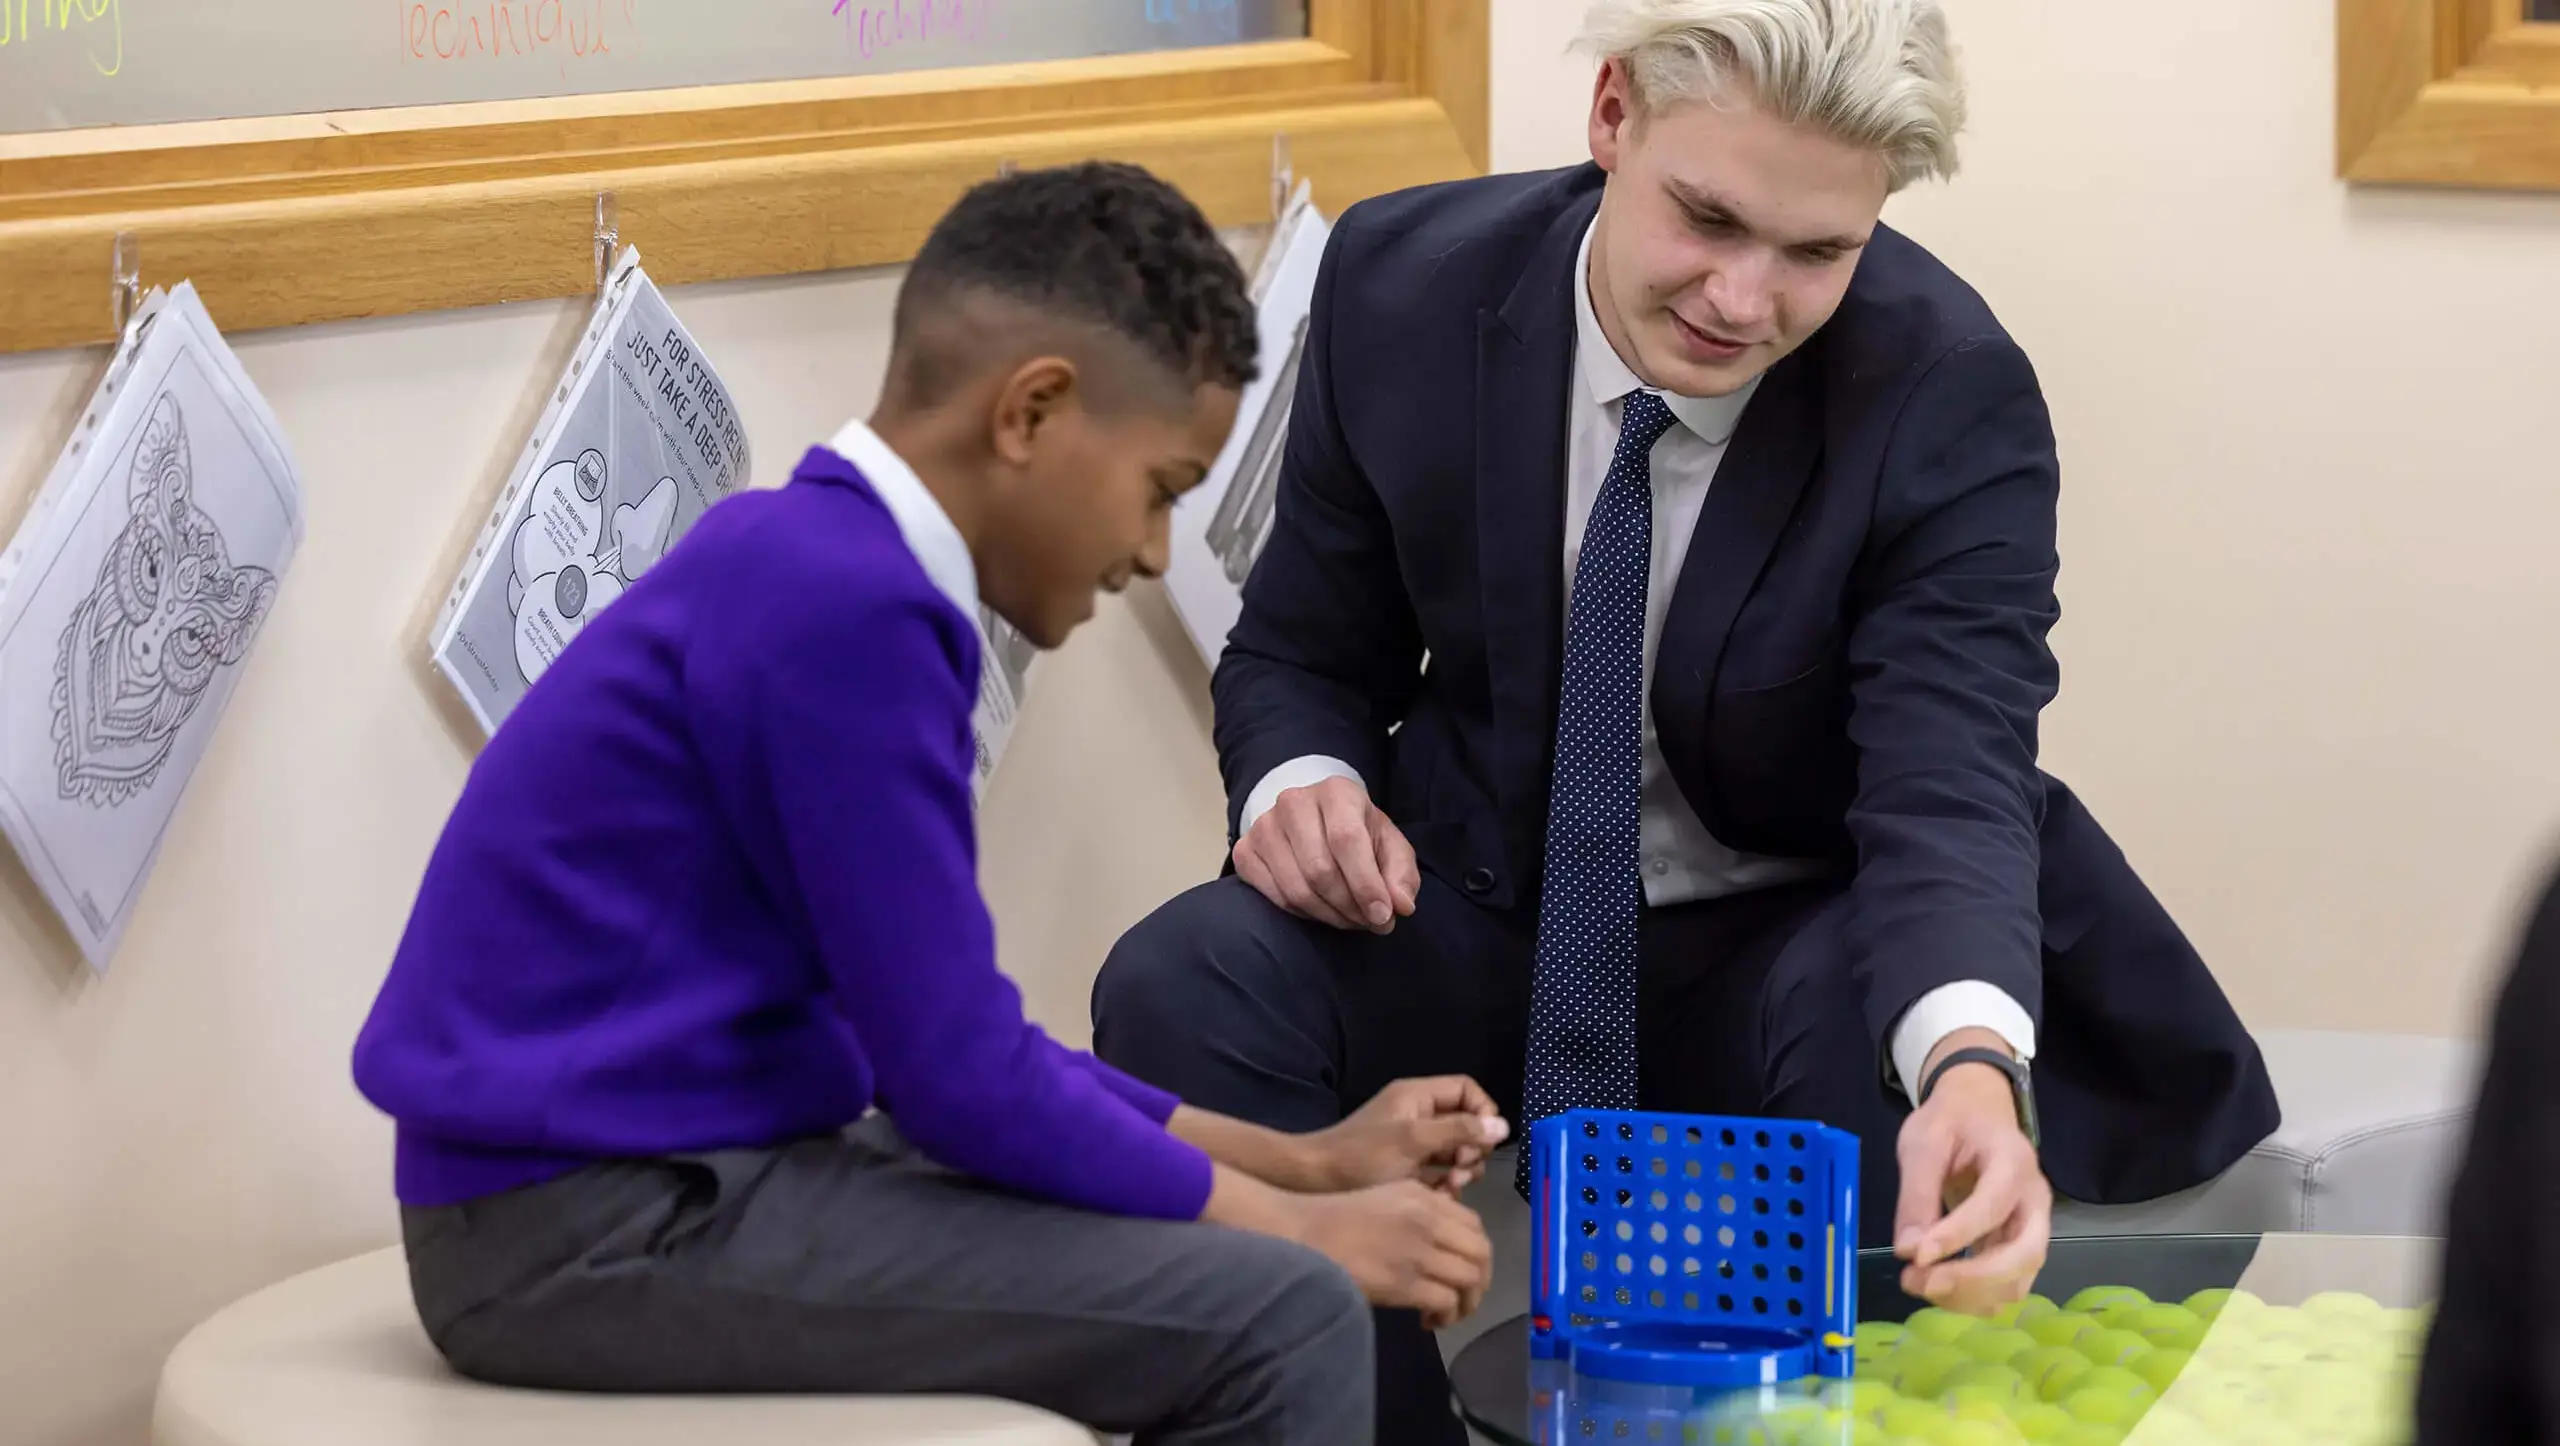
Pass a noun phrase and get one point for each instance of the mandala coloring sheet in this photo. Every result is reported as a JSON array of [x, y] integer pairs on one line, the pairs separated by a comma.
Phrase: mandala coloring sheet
[[129, 599]]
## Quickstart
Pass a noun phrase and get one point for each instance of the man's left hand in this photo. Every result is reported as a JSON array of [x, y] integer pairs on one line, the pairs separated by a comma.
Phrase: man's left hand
[[1435, 1130], [1970, 1182]]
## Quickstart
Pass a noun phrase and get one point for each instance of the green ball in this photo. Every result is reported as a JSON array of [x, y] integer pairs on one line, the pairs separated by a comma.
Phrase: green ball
[[1996, 1343], [1867, 1399], [2040, 1420], [2121, 1316], [2050, 1369], [2211, 1303], [1881, 1334], [1984, 1382], [1930, 1323], [2019, 1311], [2162, 1367], [2098, 1297], [2061, 1328], [2104, 1408], [2111, 1347], [1976, 1433], [2090, 1433], [1849, 1431], [2168, 1325], [1911, 1418], [2113, 1381], [1922, 1370], [2350, 1304]]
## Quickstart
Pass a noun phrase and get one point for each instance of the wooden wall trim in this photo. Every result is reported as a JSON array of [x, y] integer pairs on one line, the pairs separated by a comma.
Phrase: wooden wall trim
[[292, 220], [2447, 93]]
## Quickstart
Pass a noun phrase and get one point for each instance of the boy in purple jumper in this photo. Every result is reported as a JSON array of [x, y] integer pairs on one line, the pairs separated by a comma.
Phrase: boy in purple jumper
[[705, 923]]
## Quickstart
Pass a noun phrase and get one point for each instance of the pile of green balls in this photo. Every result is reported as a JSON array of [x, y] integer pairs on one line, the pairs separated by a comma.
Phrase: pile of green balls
[[2112, 1366]]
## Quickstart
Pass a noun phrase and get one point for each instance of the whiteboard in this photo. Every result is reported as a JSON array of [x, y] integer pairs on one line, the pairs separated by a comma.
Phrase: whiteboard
[[66, 63]]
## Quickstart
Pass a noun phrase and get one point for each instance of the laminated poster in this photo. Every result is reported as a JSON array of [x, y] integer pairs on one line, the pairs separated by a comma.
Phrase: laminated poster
[[638, 440], [130, 598]]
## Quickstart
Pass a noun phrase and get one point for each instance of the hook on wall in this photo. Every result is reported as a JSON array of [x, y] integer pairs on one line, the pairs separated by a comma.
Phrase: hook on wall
[[125, 281], [1284, 177], [608, 236]]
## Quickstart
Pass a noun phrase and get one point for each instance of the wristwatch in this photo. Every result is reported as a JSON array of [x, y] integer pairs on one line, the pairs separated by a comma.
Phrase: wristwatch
[[2021, 1084]]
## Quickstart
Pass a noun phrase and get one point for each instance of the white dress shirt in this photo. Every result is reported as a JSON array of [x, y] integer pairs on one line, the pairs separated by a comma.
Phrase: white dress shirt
[[1682, 861], [926, 529]]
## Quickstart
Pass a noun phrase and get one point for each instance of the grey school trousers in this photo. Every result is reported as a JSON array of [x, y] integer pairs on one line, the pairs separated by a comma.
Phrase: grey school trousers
[[854, 1265]]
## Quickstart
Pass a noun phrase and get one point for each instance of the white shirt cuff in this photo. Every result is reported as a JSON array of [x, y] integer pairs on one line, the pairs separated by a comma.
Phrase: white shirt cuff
[[1965, 1004], [1300, 772]]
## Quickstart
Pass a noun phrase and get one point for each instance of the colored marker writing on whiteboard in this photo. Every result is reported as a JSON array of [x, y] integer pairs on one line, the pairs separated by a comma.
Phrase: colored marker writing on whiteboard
[[456, 29], [878, 27], [100, 23]]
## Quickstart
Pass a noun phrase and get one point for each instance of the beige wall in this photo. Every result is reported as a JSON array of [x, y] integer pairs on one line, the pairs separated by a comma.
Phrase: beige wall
[[2307, 509]]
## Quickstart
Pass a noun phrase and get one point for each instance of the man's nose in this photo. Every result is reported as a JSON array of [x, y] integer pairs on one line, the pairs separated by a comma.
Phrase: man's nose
[[1744, 294]]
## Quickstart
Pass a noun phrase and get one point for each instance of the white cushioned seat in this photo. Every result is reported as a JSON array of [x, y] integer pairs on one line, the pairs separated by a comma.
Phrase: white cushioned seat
[[337, 1356], [2373, 1126]]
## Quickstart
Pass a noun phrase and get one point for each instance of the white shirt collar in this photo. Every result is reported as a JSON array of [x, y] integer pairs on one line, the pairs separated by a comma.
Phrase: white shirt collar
[[1609, 378], [928, 529]]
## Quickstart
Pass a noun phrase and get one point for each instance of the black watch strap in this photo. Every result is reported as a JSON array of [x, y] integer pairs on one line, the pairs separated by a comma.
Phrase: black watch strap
[[2019, 1087]]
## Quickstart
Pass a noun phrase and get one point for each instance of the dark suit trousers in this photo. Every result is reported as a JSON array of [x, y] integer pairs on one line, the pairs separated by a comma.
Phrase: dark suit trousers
[[1745, 1007]]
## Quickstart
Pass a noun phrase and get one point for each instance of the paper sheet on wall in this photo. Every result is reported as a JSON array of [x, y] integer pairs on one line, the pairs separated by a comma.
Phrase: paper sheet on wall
[[129, 600], [1219, 527], [638, 439], [1003, 673]]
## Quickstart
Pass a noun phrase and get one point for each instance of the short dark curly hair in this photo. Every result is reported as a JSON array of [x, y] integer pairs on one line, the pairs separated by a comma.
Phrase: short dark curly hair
[[1101, 243]]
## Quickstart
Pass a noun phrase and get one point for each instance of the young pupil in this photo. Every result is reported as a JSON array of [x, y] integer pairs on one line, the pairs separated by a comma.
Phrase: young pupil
[[709, 897]]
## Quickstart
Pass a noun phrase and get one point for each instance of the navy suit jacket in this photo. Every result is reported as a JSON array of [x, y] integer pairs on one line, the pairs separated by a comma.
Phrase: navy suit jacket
[[1851, 667]]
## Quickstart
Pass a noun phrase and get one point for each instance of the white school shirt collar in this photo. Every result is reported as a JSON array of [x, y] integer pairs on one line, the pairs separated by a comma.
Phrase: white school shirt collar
[[928, 529], [1608, 377]]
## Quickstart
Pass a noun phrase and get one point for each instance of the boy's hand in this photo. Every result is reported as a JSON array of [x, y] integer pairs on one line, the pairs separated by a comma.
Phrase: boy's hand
[[1404, 1245], [1435, 1130]]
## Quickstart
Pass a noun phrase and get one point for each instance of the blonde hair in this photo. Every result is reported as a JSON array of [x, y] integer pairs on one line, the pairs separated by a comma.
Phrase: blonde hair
[[1877, 74]]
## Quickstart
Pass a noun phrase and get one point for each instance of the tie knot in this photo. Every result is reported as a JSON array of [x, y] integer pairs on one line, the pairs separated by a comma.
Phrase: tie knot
[[1647, 418]]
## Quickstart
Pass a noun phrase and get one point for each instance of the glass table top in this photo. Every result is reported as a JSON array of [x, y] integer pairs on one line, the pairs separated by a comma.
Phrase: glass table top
[[2335, 1373]]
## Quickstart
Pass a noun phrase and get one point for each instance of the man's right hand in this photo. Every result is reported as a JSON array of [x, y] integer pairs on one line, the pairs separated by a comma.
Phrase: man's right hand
[[1325, 852], [1404, 1245]]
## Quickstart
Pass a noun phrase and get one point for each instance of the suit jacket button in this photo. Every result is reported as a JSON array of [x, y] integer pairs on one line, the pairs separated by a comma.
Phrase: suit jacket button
[[1479, 881]]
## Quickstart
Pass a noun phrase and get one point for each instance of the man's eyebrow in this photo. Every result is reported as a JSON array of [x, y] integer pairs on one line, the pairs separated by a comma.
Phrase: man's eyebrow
[[1710, 207]]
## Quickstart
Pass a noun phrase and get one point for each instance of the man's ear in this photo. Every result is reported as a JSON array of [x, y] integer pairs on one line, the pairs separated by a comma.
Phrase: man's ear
[[1613, 116], [1031, 399]]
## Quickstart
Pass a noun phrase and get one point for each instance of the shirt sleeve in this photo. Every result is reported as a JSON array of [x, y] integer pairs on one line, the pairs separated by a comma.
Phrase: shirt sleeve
[[838, 732], [1965, 1004], [1302, 772]]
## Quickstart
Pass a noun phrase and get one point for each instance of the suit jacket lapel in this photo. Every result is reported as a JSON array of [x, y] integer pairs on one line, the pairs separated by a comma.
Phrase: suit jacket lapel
[[1524, 372], [1755, 492]]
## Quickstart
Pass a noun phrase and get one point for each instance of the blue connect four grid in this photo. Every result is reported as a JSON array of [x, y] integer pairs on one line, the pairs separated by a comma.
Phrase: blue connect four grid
[[1748, 1226]]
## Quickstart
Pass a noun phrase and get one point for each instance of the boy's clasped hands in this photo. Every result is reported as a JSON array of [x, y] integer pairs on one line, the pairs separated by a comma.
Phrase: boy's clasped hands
[[1376, 1193]]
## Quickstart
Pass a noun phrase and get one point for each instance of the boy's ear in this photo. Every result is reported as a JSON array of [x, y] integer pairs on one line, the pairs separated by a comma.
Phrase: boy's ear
[[1033, 397]]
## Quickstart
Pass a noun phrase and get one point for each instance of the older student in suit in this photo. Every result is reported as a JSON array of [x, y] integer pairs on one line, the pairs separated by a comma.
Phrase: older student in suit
[[1636, 704]]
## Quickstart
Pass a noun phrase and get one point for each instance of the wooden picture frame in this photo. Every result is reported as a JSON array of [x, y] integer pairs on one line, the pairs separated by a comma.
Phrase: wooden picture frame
[[288, 220], [2449, 93]]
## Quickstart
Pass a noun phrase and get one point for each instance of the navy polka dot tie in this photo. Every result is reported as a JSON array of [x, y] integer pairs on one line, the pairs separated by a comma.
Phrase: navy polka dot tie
[[1582, 1010]]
